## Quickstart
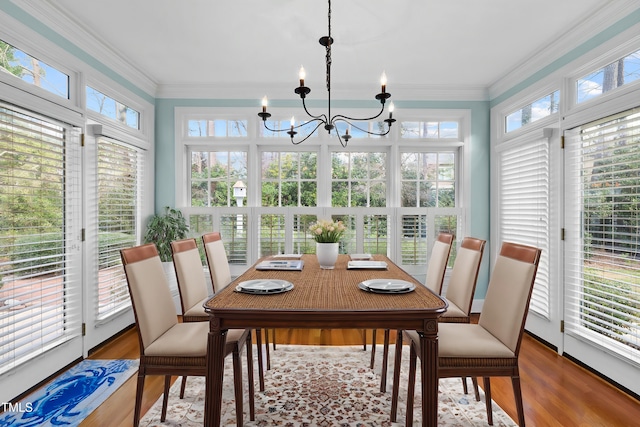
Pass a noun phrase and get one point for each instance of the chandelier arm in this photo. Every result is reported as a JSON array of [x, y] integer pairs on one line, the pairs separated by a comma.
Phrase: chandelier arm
[[308, 136], [323, 117], [319, 120]]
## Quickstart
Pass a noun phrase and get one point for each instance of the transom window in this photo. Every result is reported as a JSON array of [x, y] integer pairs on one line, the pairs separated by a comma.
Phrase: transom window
[[618, 73], [33, 71], [538, 109], [217, 128], [430, 129], [109, 107]]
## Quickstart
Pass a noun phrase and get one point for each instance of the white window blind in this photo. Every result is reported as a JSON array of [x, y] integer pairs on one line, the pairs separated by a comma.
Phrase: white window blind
[[40, 301], [119, 177], [602, 267], [524, 206]]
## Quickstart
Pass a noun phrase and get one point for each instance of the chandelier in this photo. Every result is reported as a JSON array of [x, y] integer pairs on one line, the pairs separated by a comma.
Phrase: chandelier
[[327, 120]]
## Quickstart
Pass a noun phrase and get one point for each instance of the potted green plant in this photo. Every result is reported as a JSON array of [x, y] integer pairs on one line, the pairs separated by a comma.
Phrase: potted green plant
[[164, 229]]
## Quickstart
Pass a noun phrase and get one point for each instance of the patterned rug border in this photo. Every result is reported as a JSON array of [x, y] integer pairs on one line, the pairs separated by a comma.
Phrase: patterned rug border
[[72, 396], [324, 386]]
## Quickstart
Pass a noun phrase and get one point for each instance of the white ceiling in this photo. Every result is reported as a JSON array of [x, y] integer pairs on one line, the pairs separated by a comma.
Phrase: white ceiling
[[262, 43]]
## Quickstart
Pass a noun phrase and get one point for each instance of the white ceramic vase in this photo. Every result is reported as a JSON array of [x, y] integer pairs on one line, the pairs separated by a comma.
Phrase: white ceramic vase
[[327, 254]]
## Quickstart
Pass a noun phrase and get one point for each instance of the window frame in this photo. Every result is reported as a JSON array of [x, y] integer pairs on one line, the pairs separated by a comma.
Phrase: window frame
[[324, 144]]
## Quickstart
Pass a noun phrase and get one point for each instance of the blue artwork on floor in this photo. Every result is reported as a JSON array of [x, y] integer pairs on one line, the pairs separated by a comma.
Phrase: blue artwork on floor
[[72, 396]]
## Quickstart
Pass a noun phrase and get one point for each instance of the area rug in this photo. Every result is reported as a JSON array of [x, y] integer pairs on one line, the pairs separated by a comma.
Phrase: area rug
[[72, 396], [324, 386]]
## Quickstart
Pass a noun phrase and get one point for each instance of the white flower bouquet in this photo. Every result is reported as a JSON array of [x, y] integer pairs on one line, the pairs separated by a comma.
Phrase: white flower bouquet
[[325, 231]]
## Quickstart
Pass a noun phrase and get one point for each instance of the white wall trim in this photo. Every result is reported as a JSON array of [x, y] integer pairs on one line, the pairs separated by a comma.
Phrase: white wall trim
[[274, 91]]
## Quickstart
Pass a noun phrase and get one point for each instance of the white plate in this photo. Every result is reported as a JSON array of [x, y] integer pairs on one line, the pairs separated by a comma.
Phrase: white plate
[[292, 256], [387, 286], [360, 257], [264, 286], [367, 264]]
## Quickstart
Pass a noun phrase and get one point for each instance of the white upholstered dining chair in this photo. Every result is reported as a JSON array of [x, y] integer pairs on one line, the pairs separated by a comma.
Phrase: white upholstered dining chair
[[491, 347], [167, 347], [192, 287], [221, 276], [436, 270]]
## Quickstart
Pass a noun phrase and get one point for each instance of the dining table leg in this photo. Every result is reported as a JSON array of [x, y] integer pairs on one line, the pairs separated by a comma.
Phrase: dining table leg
[[429, 372], [216, 342]]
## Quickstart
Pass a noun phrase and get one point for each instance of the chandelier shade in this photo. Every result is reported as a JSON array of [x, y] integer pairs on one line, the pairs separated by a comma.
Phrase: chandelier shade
[[327, 121]]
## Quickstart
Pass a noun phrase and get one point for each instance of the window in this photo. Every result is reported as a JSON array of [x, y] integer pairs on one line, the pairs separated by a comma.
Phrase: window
[[213, 175], [358, 179], [119, 177], [430, 129], [538, 109], [281, 127], [217, 128], [602, 272], [428, 179], [618, 73], [33, 71], [290, 187], [40, 301], [289, 178], [523, 212], [109, 107]]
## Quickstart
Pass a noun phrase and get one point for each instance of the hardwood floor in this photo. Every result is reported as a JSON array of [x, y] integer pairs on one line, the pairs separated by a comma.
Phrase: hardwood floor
[[556, 391]]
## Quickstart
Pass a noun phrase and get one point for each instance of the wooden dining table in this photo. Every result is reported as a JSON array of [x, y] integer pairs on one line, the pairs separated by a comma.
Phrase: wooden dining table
[[325, 299]]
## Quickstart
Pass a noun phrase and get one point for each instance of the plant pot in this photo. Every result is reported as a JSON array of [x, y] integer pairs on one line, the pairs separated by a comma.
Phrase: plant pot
[[327, 254]]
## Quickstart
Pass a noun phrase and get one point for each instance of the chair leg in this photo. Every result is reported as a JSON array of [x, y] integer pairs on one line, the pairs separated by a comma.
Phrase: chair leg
[[385, 362], [373, 348], [465, 390], [364, 339], [487, 399], [252, 408], [266, 344], [165, 397], [397, 363], [517, 393], [411, 385], [138, 404], [474, 381], [183, 386], [260, 361], [237, 385], [274, 339]]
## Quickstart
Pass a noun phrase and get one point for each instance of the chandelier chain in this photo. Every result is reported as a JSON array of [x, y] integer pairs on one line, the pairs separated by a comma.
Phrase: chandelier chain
[[328, 49], [328, 121]]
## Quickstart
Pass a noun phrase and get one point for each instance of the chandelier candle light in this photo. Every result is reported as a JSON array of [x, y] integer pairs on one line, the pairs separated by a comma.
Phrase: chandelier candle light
[[328, 120]]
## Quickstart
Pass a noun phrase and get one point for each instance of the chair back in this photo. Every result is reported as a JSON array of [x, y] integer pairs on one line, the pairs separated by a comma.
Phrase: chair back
[[217, 260], [464, 275], [191, 282], [438, 262], [153, 305], [507, 301]]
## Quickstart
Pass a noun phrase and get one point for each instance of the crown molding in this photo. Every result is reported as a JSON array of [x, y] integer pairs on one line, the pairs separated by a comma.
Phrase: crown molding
[[608, 14], [54, 16], [285, 92]]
